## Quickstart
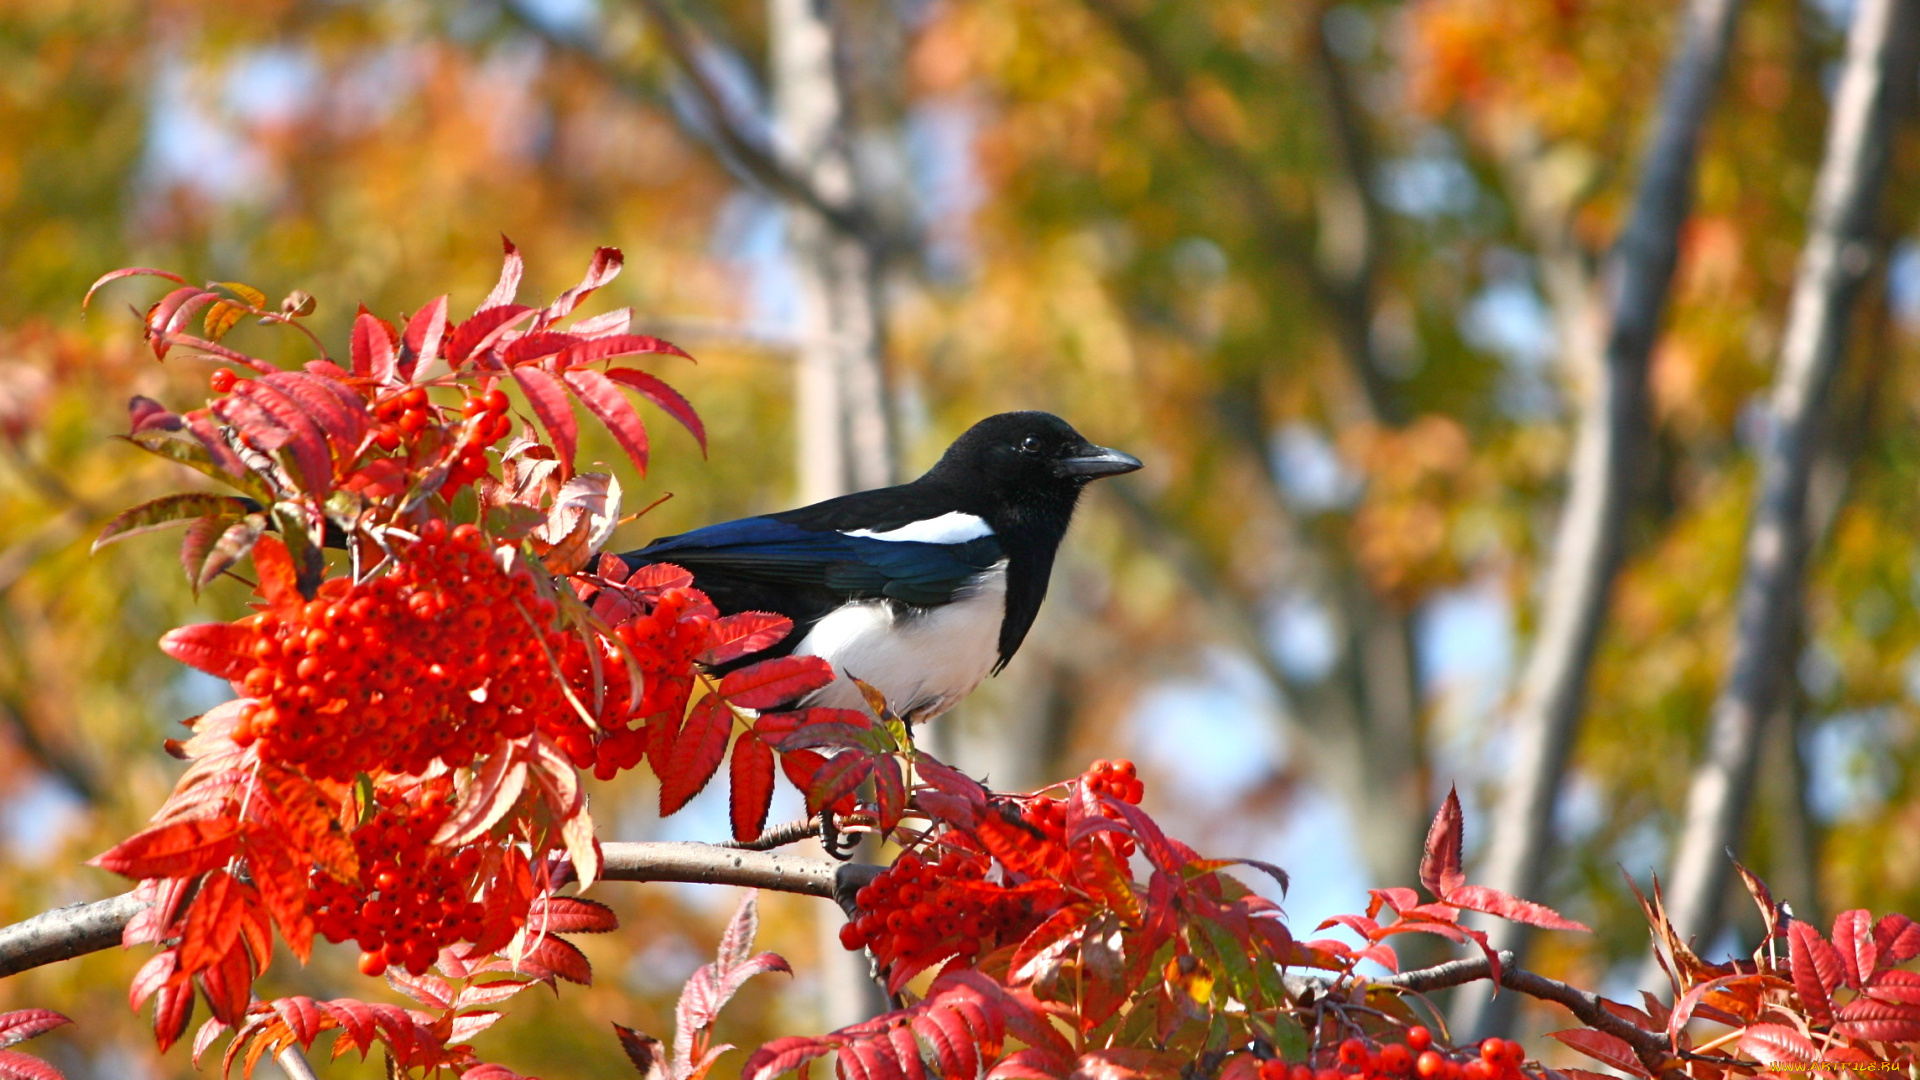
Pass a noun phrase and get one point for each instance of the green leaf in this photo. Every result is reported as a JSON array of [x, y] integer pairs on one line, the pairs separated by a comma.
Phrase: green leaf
[[189, 452], [168, 511]]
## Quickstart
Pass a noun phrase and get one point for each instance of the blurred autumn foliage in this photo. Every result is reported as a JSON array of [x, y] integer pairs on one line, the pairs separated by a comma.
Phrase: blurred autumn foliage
[[1326, 266]]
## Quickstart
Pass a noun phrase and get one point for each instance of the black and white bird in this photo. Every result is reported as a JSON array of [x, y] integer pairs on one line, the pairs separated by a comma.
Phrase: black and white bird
[[923, 589]]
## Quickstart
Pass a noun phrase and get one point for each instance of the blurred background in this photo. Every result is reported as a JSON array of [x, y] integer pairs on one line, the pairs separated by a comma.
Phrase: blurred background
[[1337, 271]]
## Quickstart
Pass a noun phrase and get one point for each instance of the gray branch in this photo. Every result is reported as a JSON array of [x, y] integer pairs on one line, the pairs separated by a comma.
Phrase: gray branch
[[78, 929], [1609, 452], [1841, 249]]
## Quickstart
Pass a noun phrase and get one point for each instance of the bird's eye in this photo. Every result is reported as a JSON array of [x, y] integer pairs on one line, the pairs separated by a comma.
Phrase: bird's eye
[[1030, 444]]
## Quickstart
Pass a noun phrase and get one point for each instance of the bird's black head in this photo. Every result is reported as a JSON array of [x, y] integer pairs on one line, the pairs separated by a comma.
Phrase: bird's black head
[[1026, 457]]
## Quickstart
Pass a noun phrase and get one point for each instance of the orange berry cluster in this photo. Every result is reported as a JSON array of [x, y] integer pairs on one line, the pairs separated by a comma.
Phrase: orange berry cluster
[[921, 911], [435, 659], [1499, 1059], [411, 898], [1115, 778]]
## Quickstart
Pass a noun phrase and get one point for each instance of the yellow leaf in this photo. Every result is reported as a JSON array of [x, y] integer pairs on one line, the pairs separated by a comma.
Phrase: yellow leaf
[[246, 292]]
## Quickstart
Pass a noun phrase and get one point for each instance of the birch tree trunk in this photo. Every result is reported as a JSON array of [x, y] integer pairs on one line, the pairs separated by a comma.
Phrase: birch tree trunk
[[1840, 251], [1609, 450], [844, 439]]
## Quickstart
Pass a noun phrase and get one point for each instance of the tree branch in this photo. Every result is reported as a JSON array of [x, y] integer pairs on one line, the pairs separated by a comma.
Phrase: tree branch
[[1841, 249], [78, 929], [1610, 444]]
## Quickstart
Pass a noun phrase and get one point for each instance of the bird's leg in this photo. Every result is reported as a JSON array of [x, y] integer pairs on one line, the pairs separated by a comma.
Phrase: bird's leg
[[838, 845]]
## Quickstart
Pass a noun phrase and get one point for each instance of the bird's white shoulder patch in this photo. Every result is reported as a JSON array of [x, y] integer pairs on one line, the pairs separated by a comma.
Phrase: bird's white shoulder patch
[[949, 528]]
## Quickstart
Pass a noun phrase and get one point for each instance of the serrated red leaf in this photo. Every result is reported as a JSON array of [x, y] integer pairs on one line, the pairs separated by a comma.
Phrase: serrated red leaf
[[172, 1011], [355, 1020], [152, 975], [1494, 902], [1440, 866], [179, 849], [614, 345], [563, 958], [889, 794], [1813, 979], [550, 403], [788, 1054], [213, 923], [604, 400], [835, 779], [216, 648], [306, 440], [302, 1016], [751, 774], [477, 335], [127, 272], [573, 915], [371, 348], [490, 992], [209, 1032], [508, 287], [1610, 1049], [15, 1065], [696, 753], [1853, 941], [423, 336], [605, 266], [743, 634], [1880, 1021], [340, 412], [430, 990], [228, 986], [283, 890], [22, 1024], [279, 580], [1897, 937], [772, 683], [666, 397]]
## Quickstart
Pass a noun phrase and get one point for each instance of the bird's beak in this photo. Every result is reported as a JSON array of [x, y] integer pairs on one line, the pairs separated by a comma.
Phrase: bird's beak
[[1095, 462]]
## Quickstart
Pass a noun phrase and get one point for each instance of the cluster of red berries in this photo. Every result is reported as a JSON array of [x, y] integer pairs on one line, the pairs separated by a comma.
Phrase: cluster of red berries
[[435, 659], [403, 416], [1115, 778], [662, 641], [1499, 1059], [919, 911], [411, 898]]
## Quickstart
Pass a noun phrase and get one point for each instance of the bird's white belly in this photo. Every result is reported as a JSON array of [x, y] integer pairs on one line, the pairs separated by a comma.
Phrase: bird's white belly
[[924, 662]]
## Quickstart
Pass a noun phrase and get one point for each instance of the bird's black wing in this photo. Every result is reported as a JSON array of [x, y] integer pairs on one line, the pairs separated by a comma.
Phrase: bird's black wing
[[765, 564]]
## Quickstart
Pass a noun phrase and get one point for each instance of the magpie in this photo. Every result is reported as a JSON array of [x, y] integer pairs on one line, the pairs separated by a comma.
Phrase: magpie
[[921, 590]]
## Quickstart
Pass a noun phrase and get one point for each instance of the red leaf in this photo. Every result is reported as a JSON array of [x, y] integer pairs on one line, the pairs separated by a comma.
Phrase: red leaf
[[340, 412], [279, 581], [604, 400], [550, 403], [772, 683], [181, 849], [228, 986], [307, 442], [1440, 866], [606, 348], [146, 414], [22, 1024], [478, 334], [172, 1011], [1495, 902], [1610, 1049], [283, 890], [835, 779], [604, 268], [536, 345], [573, 915], [1853, 940], [15, 1065], [696, 753], [508, 286], [563, 958], [302, 1016], [789, 1054], [215, 648], [423, 336], [372, 347], [131, 271], [666, 397], [1897, 937], [1880, 1021], [213, 923], [648, 1054], [752, 777], [743, 634], [1816, 970], [889, 794]]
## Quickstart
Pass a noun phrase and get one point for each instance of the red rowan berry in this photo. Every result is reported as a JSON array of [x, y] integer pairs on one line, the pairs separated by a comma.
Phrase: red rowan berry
[[414, 397], [1429, 1065], [1419, 1038], [1273, 1069], [222, 380], [1300, 1072], [1395, 1058], [1353, 1053], [372, 963], [497, 401]]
